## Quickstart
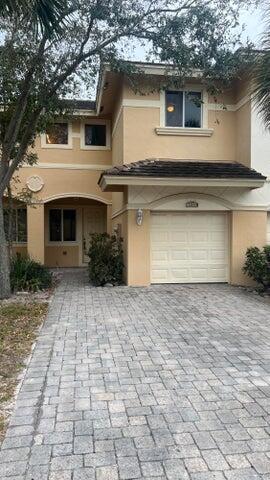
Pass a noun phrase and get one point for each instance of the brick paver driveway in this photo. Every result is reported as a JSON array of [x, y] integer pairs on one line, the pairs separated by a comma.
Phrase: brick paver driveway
[[167, 382]]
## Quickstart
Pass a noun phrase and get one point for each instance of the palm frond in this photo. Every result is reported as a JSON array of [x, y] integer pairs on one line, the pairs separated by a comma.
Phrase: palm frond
[[44, 15]]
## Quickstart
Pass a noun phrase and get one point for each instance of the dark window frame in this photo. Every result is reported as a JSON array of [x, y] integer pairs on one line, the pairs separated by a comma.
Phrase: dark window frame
[[15, 231], [62, 233], [105, 123], [183, 94]]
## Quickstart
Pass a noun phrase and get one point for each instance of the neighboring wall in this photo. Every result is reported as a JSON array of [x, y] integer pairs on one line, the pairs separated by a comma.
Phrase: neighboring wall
[[260, 144]]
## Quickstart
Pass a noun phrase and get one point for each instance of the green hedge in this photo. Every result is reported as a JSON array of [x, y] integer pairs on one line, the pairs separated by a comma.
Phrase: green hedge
[[257, 265], [105, 259], [28, 275]]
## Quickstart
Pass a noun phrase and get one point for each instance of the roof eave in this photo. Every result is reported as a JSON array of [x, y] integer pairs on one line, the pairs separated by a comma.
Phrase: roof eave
[[116, 182]]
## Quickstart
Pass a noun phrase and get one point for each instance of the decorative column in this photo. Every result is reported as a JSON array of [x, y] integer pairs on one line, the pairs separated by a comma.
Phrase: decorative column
[[35, 232], [138, 248], [248, 229]]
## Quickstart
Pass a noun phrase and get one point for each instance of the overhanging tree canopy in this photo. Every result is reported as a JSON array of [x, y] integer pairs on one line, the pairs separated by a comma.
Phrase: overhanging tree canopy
[[37, 67]]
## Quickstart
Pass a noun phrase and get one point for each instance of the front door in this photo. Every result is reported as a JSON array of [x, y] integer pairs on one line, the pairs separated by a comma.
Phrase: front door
[[94, 221]]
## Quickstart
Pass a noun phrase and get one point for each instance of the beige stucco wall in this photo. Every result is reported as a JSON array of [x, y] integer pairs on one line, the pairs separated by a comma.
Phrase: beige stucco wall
[[141, 140], [19, 249], [138, 249], [248, 229], [62, 256], [61, 181], [35, 232], [74, 155]]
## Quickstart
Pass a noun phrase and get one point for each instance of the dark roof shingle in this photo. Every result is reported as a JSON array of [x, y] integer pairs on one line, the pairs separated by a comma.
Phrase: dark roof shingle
[[184, 169]]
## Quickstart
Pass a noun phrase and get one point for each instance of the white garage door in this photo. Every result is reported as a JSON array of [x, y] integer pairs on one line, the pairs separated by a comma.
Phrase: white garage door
[[189, 247]]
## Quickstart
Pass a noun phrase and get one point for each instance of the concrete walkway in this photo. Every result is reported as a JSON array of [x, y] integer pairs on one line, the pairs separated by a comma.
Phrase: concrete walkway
[[166, 382]]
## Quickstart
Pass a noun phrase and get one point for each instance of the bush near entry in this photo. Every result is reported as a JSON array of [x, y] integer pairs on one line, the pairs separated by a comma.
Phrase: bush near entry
[[28, 275], [257, 265], [105, 259]]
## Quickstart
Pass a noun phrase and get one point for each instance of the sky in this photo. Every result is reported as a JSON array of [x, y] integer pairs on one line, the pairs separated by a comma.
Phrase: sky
[[253, 21]]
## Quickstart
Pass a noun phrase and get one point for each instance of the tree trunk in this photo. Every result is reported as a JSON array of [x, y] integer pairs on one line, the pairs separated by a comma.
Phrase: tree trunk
[[4, 258]]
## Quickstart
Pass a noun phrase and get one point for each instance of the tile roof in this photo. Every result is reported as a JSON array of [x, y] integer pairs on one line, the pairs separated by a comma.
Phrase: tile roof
[[183, 169]]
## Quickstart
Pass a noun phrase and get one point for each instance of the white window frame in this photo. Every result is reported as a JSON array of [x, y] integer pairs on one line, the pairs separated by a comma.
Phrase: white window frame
[[18, 242], [204, 109], [96, 121], [62, 242], [66, 146]]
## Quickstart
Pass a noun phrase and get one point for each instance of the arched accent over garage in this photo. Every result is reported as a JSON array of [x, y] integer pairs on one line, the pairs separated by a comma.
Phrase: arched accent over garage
[[183, 202]]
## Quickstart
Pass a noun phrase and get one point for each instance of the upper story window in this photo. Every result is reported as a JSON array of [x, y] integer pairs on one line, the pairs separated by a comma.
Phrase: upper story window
[[95, 135], [183, 109], [18, 225], [57, 134], [62, 225]]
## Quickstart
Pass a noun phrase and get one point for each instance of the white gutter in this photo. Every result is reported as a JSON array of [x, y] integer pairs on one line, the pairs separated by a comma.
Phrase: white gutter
[[117, 180]]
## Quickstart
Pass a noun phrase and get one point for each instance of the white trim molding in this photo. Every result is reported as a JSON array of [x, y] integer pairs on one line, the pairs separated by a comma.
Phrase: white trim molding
[[219, 107], [96, 121], [69, 166], [140, 103], [117, 181], [184, 131], [77, 195]]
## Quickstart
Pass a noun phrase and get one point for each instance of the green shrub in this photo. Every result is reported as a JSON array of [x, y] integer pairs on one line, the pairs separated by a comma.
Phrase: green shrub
[[257, 265], [28, 275], [105, 259]]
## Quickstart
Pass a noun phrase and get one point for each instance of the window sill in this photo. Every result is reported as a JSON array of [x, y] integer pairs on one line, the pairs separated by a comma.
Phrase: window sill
[[57, 146], [185, 132]]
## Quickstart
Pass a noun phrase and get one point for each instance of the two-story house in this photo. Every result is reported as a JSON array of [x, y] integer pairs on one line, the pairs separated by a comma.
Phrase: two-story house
[[180, 176]]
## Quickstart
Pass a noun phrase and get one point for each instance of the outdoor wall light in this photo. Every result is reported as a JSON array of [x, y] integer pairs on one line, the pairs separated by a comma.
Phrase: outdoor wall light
[[139, 216]]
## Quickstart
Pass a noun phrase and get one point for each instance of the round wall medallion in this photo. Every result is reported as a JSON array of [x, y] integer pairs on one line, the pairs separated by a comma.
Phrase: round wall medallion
[[35, 183]]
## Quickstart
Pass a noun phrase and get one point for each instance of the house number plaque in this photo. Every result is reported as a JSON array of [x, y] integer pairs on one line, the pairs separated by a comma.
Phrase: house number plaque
[[192, 204]]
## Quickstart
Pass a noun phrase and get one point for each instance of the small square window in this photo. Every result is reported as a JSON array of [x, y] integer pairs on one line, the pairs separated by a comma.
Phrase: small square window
[[95, 135], [57, 134]]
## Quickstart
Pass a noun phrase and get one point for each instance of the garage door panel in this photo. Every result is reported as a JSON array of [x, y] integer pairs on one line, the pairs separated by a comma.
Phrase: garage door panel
[[198, 255], [179, 275], [160, 276], [160, 256], [179, 236], [217, 255], [217, 237], [198, 237], [178, 254], [189, 248]]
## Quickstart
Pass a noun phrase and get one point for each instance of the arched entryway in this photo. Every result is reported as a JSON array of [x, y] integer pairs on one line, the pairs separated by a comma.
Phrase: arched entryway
[[68, 224]]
